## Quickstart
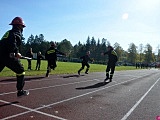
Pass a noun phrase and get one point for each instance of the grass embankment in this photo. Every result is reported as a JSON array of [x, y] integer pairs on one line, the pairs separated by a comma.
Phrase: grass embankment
[[62, 68]]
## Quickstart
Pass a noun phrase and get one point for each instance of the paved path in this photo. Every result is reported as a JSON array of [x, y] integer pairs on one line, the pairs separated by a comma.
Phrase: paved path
[[133, 95]]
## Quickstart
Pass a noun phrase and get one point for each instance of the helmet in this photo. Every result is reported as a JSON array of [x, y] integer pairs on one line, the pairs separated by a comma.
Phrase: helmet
[[17, 21], [53, 44], [88, 52], [110, 47]]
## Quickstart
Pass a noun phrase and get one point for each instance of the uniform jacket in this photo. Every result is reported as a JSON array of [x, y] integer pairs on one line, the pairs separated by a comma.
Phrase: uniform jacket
[[10, 42], [85, 58], [51, 53], [29, 54], [112, 56], [39, 57]]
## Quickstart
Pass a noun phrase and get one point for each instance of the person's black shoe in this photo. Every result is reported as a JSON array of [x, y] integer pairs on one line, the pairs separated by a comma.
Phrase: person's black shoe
[[47, 74], [110, 80], [106, 80], [86, 72], [22, 93]]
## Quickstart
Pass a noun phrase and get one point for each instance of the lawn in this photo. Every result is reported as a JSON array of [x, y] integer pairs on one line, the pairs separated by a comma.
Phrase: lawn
[[62, 68]]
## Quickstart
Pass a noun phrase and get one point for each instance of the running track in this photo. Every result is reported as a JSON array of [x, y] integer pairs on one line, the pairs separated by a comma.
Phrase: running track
[[133, 95]]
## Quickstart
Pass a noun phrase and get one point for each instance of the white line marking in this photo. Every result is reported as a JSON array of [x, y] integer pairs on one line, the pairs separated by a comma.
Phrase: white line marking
[[139, 101], [84, 94], [1, 94], [35, 110], [29, 110]]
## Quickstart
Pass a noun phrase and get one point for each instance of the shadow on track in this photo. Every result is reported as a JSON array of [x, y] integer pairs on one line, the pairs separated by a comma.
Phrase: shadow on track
[[26, 79], [6, 104], [68, 76], [97, 85]]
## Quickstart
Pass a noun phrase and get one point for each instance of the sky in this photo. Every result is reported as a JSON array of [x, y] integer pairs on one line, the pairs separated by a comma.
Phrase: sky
[[121, 21]]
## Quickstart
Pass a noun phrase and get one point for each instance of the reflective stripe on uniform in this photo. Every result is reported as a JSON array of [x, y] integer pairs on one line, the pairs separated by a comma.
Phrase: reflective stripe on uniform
[[114, 53], [50, 51], [21, 74], [5, 35]]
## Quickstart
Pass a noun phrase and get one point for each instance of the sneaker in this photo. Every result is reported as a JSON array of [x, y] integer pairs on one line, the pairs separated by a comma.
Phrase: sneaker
[[105, 80], [22, 93]]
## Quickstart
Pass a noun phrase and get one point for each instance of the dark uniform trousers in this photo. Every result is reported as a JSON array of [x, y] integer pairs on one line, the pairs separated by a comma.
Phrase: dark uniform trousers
[[29, 64], [110, 66], [15, 65], [51, 65], [83, 65]]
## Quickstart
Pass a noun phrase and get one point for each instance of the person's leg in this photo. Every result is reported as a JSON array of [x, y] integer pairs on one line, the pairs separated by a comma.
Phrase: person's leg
[[29, 64], [2, 65], [87, 69], [39, 65], [112, 72], [107, 72], [36, 65], [48, 69], [83, 65], [15, 65], [54, 65]]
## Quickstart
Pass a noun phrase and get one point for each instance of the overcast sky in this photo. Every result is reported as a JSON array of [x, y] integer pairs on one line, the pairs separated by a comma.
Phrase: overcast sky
[[121, 21]]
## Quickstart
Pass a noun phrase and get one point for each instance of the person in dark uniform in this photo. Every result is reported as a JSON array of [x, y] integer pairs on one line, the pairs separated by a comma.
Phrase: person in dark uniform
[[9, 52], [51, 57], [39, 57], [30, 55], [112, 59], [85, 59]]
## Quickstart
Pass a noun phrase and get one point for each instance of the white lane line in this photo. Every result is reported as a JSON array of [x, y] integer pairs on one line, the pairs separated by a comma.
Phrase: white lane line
[[139, 101], [1, 94], [65, 100], [41, 79], [29, 110], [85, 94]]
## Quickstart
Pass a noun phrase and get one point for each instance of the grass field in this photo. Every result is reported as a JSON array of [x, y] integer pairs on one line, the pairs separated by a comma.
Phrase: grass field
[[62, 68]]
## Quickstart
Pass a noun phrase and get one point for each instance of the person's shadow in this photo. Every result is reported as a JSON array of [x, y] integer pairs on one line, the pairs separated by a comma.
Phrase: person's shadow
[[7, 104], [97, 85], [68, 76], [26, 79]]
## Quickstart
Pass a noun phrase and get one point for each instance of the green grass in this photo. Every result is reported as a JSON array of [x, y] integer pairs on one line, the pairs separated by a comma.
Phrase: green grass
[[62, 68]]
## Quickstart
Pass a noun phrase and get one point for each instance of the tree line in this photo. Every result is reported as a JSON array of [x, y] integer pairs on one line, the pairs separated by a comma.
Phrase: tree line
[[133, 55]]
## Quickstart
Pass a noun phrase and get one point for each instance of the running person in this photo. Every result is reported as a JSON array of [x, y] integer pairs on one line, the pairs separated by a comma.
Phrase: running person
[[85, 60], [10, 55], [51, 57], [112, 59]]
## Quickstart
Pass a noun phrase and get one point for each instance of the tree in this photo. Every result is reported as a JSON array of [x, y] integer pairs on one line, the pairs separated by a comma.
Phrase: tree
[[148, 54], [88, 44], [65, 46], [140, 52], [30, 40], [132, 53], [118, 50]]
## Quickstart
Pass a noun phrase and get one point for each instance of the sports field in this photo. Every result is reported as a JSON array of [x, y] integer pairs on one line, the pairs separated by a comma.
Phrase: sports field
[[62, 68]]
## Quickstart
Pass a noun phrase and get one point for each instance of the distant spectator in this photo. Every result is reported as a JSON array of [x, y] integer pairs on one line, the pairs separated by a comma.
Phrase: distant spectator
[[39, 57], [29, 54]]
